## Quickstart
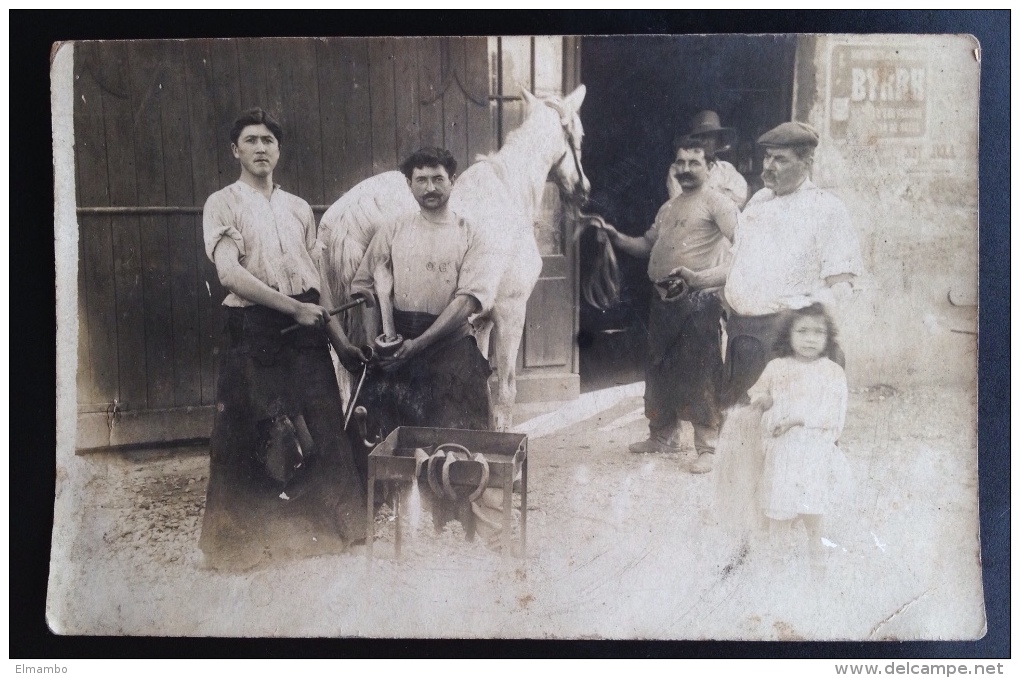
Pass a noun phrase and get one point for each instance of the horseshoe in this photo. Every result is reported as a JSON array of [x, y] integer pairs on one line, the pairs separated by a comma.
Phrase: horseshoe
[[484, 482], [468, 456], [450, 458], [430, 474]]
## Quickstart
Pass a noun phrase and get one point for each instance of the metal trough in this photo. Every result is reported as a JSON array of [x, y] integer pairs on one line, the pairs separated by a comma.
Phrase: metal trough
[[393, 461]]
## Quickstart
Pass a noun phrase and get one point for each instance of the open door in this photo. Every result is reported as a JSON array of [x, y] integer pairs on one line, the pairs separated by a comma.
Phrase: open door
[[642, 93], [547, 363]]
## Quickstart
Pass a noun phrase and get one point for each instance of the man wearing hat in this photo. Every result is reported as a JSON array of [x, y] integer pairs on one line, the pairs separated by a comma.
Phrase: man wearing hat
[[794, 245], [723, 176]]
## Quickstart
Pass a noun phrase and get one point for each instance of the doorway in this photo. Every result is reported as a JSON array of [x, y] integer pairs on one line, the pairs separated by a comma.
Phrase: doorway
[[642, 93]]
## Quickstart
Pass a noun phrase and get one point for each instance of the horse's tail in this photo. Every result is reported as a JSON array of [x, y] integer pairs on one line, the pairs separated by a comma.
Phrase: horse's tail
[[333, 229]]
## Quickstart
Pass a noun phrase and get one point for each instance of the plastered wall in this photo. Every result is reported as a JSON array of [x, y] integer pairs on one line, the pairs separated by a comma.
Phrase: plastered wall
[[898, 118]]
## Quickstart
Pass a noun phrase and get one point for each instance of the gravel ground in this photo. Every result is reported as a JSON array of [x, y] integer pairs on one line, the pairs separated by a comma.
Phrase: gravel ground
[[620, 546]]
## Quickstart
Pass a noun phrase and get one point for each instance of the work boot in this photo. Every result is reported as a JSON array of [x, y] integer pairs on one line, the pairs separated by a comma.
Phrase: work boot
[[654, 445], [703, 464], [705, 438]]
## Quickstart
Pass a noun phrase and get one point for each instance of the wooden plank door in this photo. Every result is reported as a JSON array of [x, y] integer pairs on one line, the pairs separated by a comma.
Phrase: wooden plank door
[[547, 364], [151, 123]]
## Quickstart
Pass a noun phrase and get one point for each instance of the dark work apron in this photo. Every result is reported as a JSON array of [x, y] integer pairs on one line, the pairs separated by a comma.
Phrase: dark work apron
[[684, 368], [444, 386], [264, 376]]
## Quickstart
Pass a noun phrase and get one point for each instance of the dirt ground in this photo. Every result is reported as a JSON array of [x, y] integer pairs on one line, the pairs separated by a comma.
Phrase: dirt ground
[[620, 546]]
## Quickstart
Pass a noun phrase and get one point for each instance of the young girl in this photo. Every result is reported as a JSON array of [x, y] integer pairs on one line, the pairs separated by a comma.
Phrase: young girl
[[803, 396]]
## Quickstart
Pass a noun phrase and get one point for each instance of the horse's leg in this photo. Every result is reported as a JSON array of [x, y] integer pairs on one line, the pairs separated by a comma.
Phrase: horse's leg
[[369, 326], [482, 331], [508, 316]]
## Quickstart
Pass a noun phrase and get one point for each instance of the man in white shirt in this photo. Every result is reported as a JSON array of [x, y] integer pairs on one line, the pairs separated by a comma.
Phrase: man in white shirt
[[794, 245], [282, 478], [723, 176], [441, 271]]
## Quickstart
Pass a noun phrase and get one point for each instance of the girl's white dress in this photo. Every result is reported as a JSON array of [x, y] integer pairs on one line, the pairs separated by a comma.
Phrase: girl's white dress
[[804, 469]]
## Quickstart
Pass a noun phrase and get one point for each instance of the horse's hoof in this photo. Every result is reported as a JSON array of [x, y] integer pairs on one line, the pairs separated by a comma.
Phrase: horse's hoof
[[387, 346]]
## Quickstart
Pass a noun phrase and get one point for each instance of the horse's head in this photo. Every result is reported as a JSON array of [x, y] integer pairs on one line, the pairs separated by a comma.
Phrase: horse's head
[[566, 171]]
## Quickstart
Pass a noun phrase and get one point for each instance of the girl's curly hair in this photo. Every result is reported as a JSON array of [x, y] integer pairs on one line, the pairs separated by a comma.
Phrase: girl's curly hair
[[784, 349]]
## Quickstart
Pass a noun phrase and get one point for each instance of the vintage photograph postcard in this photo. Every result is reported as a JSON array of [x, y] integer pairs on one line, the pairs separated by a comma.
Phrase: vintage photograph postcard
[[612, 337]]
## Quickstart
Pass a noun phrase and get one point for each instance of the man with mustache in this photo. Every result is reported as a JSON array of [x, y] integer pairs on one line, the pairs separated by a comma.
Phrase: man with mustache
[[688, 249], [794, 246], [723, 176], [442, 272]]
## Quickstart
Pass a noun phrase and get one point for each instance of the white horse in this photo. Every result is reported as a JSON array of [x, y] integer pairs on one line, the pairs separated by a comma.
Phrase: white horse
[[500, 194]]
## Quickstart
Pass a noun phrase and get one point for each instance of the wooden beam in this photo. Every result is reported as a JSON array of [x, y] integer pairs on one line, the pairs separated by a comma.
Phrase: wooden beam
[[155, 210]]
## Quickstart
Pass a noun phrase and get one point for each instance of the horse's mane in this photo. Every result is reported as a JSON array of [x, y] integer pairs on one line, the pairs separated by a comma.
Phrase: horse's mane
[[497, 162]]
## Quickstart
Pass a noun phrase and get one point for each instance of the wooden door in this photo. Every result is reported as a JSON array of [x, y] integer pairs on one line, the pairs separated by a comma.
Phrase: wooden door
[[151, 124], [547, 364]]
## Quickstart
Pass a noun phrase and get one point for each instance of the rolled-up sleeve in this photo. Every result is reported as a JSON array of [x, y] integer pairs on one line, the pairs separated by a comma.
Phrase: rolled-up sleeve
[[480, 271], [218, 222]]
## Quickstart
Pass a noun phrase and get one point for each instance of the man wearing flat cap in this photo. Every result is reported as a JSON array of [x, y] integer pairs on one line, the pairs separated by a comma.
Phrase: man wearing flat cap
[[722, 176], [794, 245]]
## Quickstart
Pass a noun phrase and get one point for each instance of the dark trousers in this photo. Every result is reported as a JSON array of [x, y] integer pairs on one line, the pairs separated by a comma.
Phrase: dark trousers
[[445, 386], [684, 366], [264, 376]]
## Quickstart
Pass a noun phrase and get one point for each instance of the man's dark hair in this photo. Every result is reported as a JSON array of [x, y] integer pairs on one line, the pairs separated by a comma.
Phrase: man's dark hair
[[784, 349], [255, 116], [693, 144], [430, 156]]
